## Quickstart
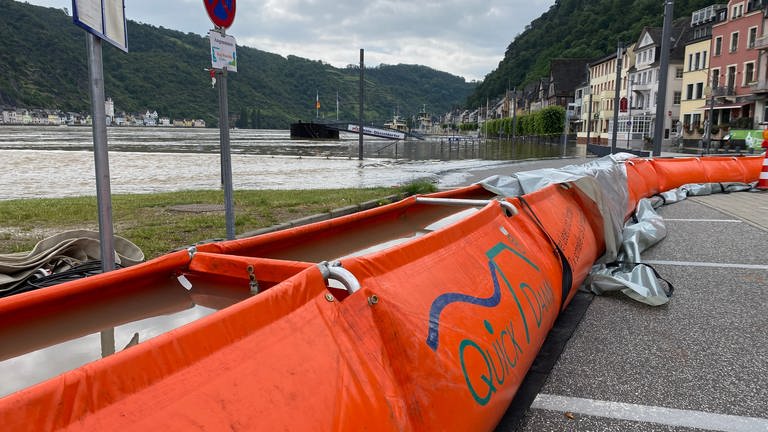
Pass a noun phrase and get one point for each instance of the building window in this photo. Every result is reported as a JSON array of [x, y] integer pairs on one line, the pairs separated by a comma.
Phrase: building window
[[749, 73], [715, 78], [687, 120], [752, 37], [690, 62], [699, 90], [678, 72], [697, 61], [676, 98], [737, 11], [689, 92], [734, 41], [704, 60], [731, 77], [718, 45]]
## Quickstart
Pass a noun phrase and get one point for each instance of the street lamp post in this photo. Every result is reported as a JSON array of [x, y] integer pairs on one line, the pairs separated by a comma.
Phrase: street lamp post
[[514, 114], [614, 137], [629, 109], [708, 123]]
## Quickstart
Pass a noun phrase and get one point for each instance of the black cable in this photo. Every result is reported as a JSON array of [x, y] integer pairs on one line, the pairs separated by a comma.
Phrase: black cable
[[34, 282]]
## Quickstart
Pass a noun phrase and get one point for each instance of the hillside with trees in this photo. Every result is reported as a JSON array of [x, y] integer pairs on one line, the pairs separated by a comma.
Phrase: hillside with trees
[[574, 29], [43, 65]]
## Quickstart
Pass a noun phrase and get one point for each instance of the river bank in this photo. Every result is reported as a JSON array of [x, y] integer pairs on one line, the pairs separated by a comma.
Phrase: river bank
[[159, 223]]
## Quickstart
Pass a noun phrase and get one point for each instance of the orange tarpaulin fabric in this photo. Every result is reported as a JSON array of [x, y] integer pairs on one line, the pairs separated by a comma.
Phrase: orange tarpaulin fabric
[[439, 336], [450, 307]]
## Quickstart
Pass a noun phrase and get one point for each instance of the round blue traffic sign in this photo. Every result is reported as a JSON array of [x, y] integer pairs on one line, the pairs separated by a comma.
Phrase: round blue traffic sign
[[221, 12]]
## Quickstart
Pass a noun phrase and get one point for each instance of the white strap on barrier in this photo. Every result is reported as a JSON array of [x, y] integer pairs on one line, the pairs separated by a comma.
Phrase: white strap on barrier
[[467, 203]]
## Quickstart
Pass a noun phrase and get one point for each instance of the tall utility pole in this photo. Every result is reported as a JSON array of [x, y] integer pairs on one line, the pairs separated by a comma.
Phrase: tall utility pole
[[617, 98], [661, 95], [362, 101], [514, 114], [589, 118]]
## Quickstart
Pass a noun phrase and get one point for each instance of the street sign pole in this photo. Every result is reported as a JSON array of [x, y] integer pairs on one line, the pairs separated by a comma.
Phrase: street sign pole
[[226, 153], [361, 110], [224, 58], [102, 20], [101, 153]]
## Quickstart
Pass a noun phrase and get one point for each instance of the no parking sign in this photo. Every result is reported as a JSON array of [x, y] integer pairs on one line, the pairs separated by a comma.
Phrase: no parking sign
[[221, 12]]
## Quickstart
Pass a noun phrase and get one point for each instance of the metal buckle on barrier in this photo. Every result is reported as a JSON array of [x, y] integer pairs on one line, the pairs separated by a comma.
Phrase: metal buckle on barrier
[[467, 203], [338, 273], [192, 250]]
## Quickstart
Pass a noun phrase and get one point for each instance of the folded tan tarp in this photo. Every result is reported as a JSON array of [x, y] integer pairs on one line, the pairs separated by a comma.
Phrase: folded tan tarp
[[61, 252]]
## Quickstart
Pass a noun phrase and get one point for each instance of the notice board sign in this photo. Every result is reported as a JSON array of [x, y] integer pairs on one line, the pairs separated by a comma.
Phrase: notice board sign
[[223, 51], [103, 18]]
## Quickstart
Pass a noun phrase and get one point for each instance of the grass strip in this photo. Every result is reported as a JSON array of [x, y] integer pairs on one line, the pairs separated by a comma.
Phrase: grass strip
[[162, 222]]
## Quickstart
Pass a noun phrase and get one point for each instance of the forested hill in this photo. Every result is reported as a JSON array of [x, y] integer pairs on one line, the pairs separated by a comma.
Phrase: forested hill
[[575, 29], [43, 65]]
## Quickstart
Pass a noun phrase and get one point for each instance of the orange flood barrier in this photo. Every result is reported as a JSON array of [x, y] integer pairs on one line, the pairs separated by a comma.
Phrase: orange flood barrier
[[433, 329]]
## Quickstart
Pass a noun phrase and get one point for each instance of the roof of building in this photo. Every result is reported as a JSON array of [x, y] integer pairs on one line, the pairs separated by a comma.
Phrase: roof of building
[[567, 74]]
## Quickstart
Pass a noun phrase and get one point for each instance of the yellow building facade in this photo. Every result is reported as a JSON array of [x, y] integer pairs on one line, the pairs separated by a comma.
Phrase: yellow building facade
[[598, 105], [695, 89]]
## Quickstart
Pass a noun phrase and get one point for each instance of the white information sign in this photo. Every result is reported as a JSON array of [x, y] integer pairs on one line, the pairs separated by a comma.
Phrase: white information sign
[[377, 132], [103, 18], [223, 51]]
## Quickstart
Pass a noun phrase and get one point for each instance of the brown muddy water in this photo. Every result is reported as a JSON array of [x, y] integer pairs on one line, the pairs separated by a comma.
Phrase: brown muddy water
[[47, 162], [88, 328]]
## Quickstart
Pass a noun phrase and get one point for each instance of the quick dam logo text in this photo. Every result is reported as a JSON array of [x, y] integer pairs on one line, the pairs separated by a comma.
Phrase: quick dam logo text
[[489, 359]]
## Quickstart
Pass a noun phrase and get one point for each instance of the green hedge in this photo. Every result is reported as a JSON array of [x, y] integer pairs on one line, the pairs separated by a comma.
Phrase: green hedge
[[550, 120]]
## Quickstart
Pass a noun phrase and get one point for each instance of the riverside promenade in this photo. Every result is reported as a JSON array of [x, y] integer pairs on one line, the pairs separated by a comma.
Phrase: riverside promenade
[[699, 362]]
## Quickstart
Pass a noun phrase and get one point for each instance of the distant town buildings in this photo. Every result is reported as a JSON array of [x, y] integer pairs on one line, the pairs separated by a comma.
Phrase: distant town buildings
[[717, 79], [51, 117]]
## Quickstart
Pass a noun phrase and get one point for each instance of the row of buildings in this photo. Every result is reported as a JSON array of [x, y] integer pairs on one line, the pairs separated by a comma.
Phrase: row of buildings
[[49, 117], [717, 79]]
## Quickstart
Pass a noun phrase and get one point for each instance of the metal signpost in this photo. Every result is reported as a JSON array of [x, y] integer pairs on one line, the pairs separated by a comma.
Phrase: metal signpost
[[103, 19], [614, 137], [361, 109], [223, 59]]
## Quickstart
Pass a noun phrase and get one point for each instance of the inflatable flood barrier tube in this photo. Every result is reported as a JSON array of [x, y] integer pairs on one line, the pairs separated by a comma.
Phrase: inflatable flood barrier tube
[[649, 177], [439, 336]]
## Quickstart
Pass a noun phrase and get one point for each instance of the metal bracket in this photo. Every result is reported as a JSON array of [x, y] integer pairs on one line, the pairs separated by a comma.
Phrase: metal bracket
[[336, 272]]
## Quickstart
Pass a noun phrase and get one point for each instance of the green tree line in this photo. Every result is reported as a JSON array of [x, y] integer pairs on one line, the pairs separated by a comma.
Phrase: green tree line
[[43, 65]]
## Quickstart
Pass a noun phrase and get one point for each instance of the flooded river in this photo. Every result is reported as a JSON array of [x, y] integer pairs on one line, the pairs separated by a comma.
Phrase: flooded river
[[42, 162]]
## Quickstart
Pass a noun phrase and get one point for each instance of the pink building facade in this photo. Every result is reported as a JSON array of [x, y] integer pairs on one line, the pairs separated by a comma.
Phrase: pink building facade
[[734, 61]]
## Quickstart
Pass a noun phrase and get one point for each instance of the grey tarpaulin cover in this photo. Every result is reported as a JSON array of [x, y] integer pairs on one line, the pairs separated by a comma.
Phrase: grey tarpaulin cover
[[605, 182], [638, 281], [60, 252]]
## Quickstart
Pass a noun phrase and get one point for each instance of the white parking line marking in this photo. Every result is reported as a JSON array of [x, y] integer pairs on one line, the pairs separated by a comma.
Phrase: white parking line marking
[[708, 264], [650, 414], [703, 220]]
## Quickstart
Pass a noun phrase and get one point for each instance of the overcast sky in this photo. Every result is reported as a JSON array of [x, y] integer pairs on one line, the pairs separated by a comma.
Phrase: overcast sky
[[464, 37]]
